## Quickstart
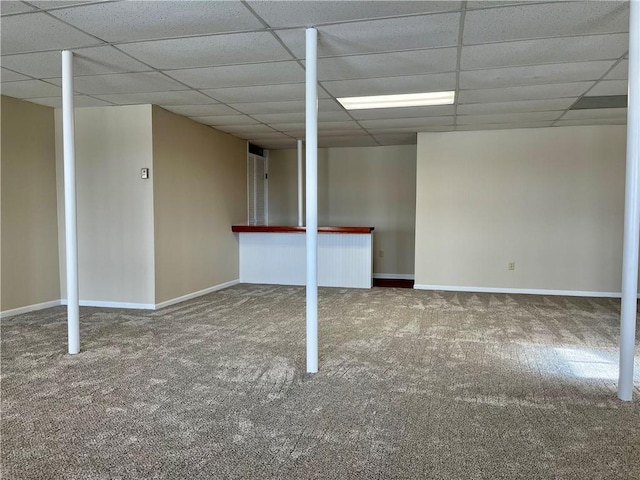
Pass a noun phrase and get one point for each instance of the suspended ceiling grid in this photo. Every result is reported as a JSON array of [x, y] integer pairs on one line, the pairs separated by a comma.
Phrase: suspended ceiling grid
[[239, 66]]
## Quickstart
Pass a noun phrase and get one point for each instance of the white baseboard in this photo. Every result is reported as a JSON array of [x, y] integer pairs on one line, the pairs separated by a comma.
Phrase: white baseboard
[[29, 308], [100, 303], [189, 296], [394, 276], [525, 291]]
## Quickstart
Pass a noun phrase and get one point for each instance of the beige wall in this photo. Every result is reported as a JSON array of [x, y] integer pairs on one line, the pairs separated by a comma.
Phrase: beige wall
[[356, 186], [200, 190], [115, 206], [29, 225], [551, 200]]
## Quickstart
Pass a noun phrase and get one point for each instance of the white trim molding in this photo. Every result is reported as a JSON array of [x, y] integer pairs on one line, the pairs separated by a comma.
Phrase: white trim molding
[[394, 276], [199, 293], [30, 308], [523, 291], [104, 304]]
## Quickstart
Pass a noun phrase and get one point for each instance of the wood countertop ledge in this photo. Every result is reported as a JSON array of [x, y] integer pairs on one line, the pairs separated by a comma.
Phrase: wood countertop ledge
[[294, 229]]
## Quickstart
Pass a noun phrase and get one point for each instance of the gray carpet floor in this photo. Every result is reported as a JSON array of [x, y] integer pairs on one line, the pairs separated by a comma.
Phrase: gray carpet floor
[[412, 385]]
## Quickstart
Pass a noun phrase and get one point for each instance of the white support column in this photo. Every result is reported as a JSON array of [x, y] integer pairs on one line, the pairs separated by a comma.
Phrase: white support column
[[631, 213], [300, 199], [311, 123], [70, 212]]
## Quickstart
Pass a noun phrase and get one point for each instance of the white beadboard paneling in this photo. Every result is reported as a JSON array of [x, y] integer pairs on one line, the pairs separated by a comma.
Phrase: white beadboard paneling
[[275, 258], [344, 260]]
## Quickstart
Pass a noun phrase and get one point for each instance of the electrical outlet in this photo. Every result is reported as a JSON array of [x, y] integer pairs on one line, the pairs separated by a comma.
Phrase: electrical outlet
[[512, 265], [381, 253]]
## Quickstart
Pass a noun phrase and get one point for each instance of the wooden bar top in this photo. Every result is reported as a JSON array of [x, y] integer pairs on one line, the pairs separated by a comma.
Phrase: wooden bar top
[[294, 229]]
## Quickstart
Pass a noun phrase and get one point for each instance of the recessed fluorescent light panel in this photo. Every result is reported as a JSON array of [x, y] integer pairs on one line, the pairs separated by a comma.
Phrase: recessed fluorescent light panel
[[396, 101]]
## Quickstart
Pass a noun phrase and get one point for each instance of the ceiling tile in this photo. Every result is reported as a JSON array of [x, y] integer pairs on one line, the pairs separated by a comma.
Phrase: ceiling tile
[[391, 85], [609, 87], [276, 145], [301, 133], [124, 83], [225, 120], [516, 107], [9, 76], [592, 121], [388, 64], [183, 97], [475, 4], [619, 72], [545, 20], [548, 50], [87, 61], [241, 75], [503, 126], [409, 33], [330, 116], [295, 127], [131, 21], [51, 4], [535, 74], [245, 129], [406, 122], [411, 129], [284, 107], [406, 112], [44, 33], [604, 101], [527, 117], [201, 110], [397, 139], [531, 92], [271, 136], [79, 101], [346, 126], [7, 7], [595, 113], [342, 141], [29, 89], [270, 93], [282, 14], [208, 51]]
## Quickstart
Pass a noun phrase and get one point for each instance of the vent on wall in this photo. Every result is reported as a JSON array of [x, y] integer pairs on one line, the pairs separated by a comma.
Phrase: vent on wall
[[256, 150], [605, 101], [257, 167]]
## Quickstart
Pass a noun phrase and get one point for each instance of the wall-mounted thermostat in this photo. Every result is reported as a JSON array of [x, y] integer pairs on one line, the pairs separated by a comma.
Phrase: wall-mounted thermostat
[[144, 173]]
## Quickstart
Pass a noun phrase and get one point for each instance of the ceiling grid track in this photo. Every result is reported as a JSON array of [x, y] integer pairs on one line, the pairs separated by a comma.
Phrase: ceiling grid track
[[512, 64]]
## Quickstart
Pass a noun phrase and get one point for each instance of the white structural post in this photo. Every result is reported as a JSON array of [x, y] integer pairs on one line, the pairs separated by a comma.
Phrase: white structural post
[[300, 200], [631, 213], [70, 213], [311, 123]]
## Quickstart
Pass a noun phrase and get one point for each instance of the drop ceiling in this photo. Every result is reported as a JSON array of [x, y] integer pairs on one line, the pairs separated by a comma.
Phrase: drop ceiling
[[239, 66]]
